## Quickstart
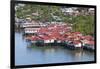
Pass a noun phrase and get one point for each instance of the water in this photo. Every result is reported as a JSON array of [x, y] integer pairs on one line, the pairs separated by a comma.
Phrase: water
[[37, 55]]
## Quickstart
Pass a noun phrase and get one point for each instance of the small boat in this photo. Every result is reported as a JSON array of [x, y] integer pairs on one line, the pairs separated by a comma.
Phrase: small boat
[[88, 47], [74, 45]]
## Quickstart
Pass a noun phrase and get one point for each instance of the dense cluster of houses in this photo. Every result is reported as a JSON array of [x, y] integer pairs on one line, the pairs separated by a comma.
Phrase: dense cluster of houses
[[58, 34], [74, 11]]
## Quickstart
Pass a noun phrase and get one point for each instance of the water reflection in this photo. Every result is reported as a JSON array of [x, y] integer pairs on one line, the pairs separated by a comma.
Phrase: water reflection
[[43, 55]]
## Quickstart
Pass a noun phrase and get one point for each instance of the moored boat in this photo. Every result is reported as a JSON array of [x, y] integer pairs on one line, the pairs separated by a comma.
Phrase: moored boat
[[74, 45], [89, 47]]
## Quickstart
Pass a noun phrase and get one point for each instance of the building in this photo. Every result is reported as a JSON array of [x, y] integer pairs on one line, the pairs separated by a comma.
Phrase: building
[[70, 11]]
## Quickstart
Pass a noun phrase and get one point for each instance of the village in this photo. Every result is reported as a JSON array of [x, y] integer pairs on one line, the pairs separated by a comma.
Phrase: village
[[56, 34], [53, 34]]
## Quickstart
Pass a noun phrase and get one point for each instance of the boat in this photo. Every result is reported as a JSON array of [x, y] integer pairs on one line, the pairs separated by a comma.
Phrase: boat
[[74, 45], [89, 47]]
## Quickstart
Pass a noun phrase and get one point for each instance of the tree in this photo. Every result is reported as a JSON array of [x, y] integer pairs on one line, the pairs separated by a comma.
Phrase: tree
[[84, 24]]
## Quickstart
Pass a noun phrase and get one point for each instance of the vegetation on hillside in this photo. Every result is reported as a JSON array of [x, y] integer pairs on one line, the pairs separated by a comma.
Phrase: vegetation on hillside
[[82, 23]]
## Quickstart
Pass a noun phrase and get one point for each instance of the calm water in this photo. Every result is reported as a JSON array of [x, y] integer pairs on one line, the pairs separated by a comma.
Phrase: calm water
[[28, 56]]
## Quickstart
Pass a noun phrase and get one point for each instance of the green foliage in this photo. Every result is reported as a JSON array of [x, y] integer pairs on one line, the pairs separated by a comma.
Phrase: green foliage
[[84, 24], [44, 12]]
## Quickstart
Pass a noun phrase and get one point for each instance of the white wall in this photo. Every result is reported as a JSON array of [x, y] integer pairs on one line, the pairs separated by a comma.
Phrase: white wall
[[5, 34]]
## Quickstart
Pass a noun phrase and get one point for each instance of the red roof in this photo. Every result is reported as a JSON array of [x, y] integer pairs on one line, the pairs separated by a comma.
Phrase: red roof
[[44, 37], [53, 32], [42, 30], [54, 35], [88, 37], [91, 42], [76, 42], [77, 33], [35, 38], [62, 38]]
